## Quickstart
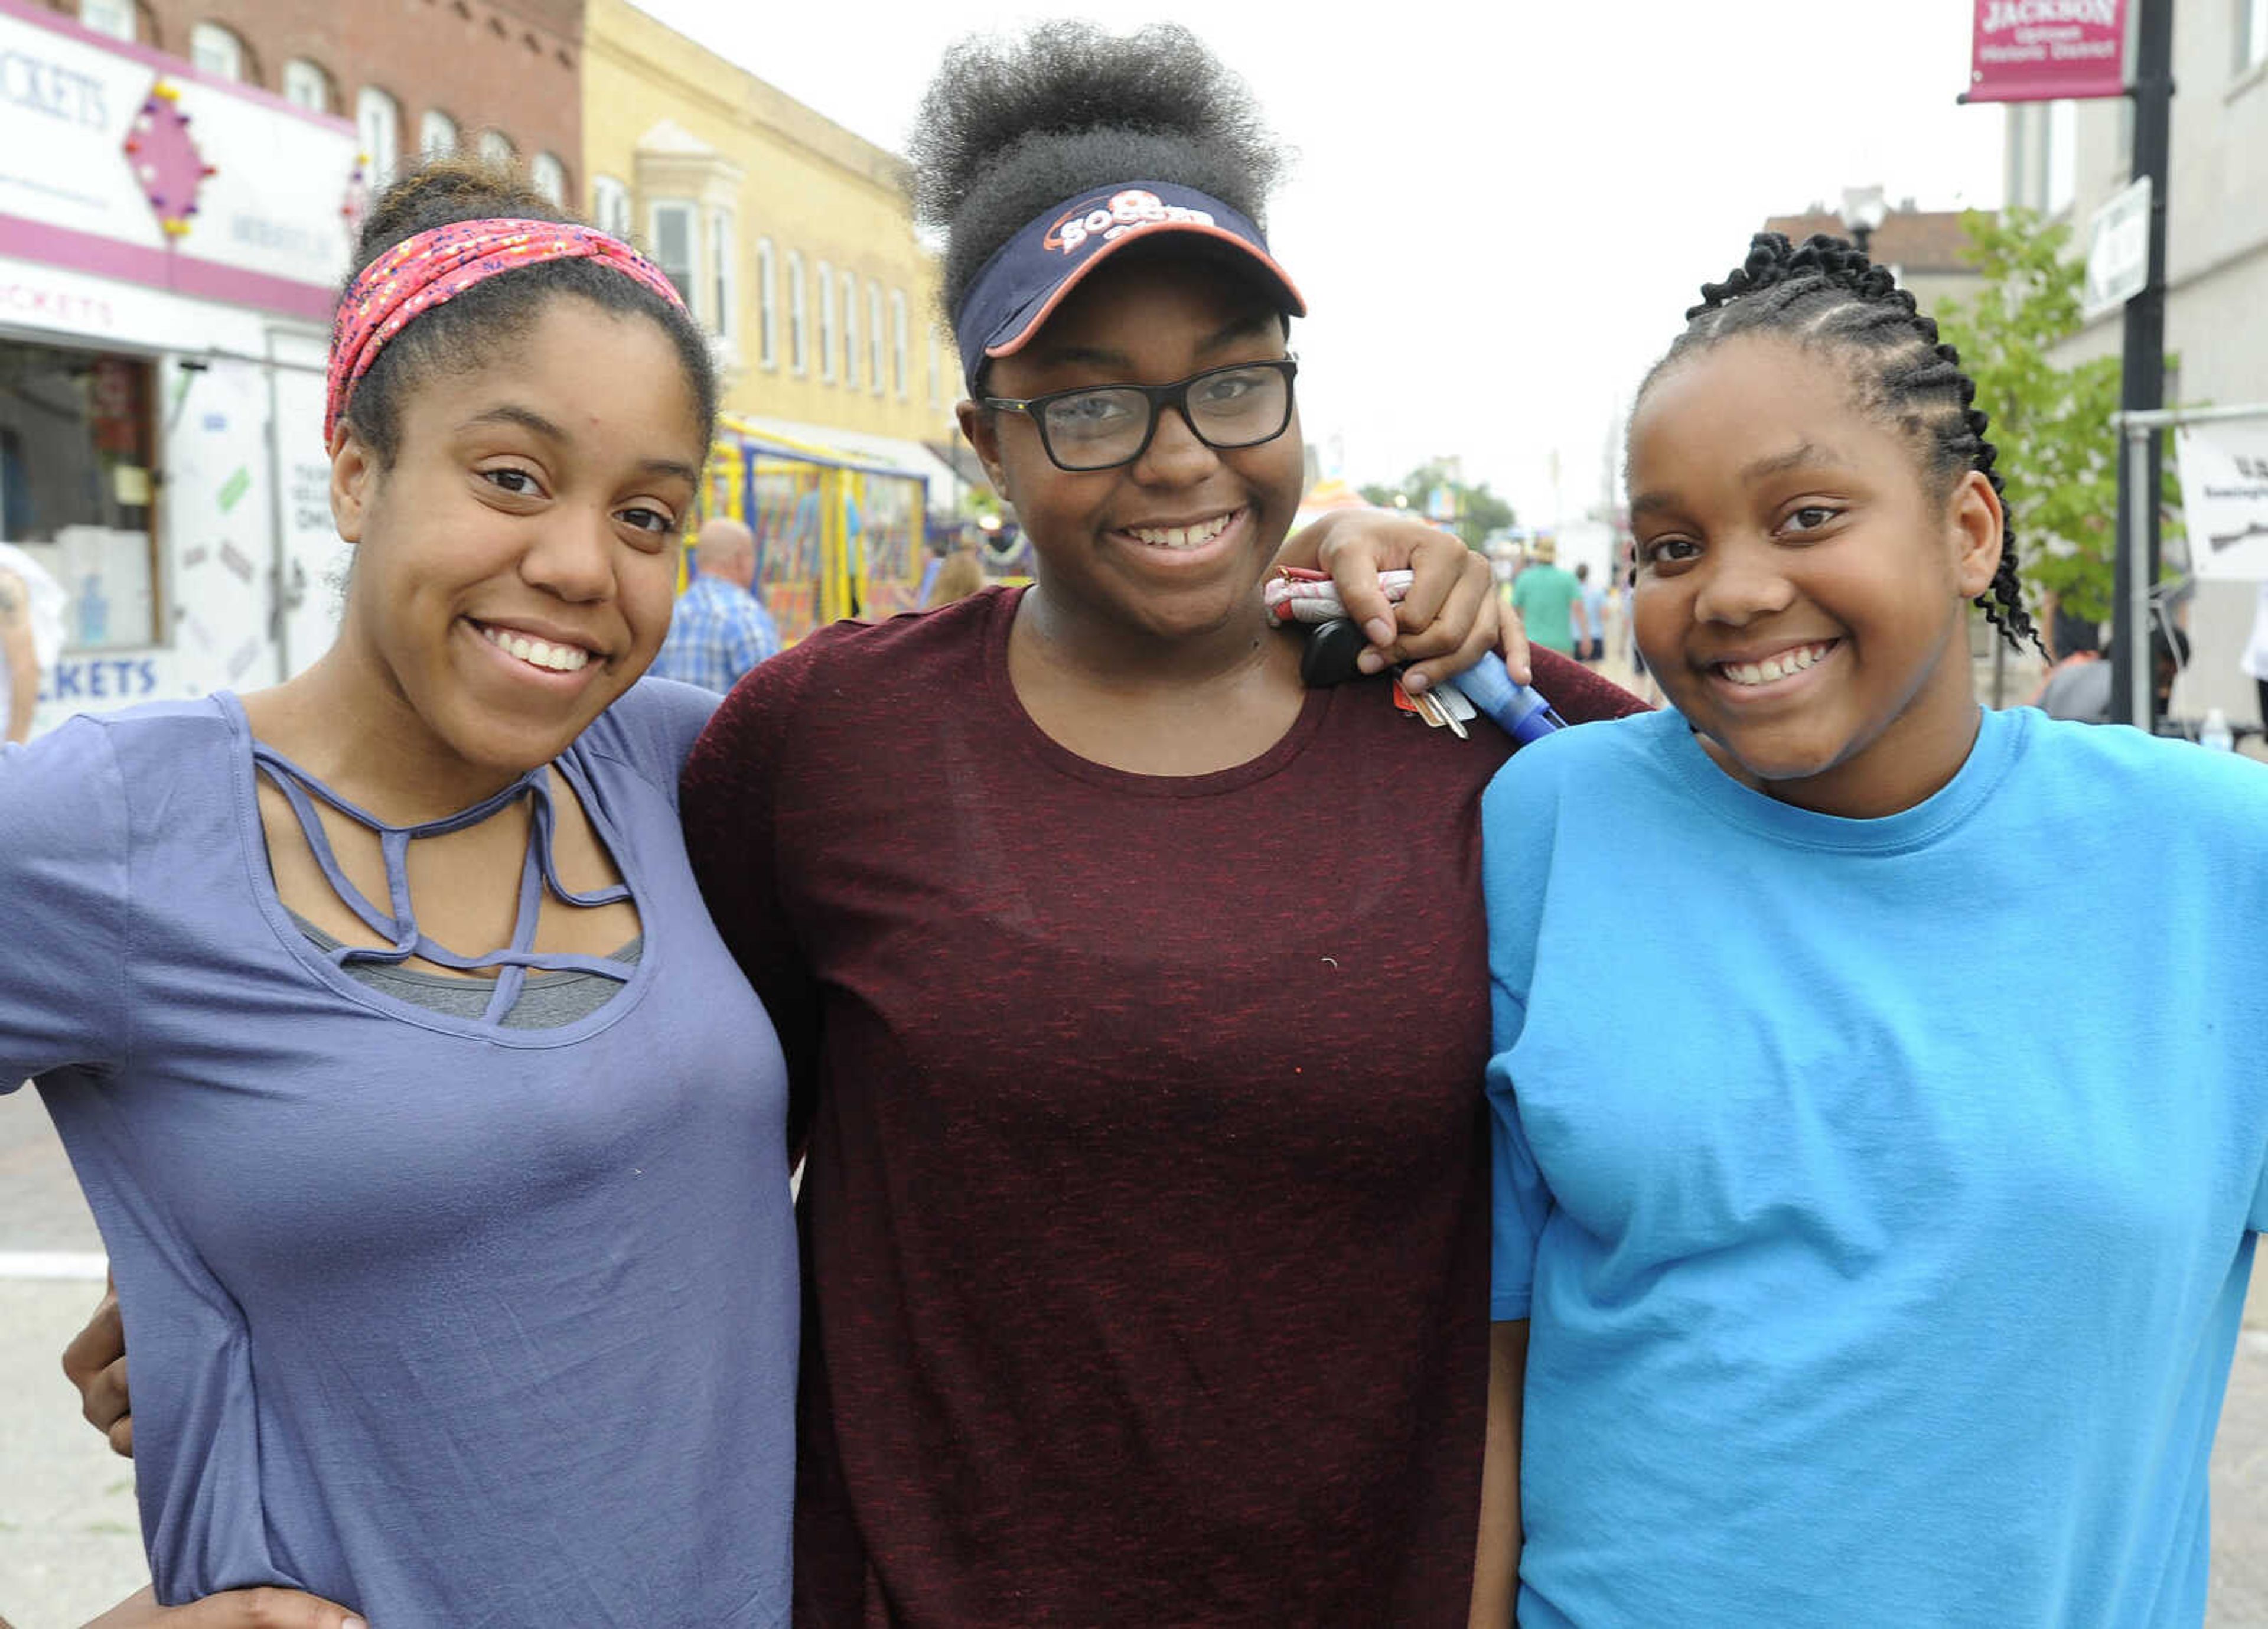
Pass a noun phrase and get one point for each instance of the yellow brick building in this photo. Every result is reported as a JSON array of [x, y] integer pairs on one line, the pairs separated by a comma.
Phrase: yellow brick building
[[788, 235]]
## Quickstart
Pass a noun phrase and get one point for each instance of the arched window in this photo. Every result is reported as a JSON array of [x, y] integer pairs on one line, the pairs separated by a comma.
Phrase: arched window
[[218, 51], [495, 147], [898, 341], [436, 135], [850, 330], [767, 304], [826, 321], [610, 206], [114, 17], [873, 336], [676, 250], [723, 292], [307, 85], [549, 177], [798, 332], [378, 121]]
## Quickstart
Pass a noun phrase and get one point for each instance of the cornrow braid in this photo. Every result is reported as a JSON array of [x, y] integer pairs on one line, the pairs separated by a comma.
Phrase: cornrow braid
[[1826, 295]]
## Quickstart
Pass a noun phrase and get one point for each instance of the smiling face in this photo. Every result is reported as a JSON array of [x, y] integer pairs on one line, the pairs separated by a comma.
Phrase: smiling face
[[515, 564], [1802, 584], [1175, 545]]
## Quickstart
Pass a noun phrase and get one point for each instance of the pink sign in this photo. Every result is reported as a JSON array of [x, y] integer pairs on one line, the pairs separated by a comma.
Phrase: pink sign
[[2046, 50]]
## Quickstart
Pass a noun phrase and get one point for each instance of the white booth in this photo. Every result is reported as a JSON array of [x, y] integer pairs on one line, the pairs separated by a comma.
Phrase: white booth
[[170, 247]]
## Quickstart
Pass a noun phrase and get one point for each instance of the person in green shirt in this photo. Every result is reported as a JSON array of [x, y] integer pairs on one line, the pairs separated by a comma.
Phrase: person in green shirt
[[1544, 593]]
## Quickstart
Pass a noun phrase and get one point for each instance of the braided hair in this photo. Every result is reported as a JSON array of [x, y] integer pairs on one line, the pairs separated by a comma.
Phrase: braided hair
[[1827, 296]]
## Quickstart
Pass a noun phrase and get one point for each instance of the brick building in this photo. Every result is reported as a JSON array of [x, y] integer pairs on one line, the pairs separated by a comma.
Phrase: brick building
[[501, 77]]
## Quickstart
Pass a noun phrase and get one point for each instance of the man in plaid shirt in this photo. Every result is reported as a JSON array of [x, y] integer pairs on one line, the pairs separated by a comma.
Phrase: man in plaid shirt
[[720, 629]]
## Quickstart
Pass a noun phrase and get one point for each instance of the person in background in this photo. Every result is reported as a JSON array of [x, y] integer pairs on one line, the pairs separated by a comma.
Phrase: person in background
[[31, 637], [1593, 606], [721, 628], [1546, 595], [959, 575], [2079, 689]]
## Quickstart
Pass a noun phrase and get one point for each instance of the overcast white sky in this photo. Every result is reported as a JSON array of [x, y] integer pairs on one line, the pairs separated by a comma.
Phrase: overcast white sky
[[1500, 209]]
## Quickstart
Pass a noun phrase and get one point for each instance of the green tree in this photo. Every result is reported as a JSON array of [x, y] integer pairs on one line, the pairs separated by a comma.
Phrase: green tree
[[1479, 511], [2057, 448]]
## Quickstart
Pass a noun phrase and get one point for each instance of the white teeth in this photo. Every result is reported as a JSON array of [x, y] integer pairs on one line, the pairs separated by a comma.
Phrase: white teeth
[[1181, 536], [1779, 666], [537, 652]]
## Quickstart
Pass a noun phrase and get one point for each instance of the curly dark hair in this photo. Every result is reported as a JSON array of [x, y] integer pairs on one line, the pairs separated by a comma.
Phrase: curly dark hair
[[468, 330], [1827, 296], [1010, 128]]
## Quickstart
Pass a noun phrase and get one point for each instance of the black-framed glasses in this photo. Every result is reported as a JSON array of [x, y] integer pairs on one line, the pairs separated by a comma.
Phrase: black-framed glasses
[[1104, 426]]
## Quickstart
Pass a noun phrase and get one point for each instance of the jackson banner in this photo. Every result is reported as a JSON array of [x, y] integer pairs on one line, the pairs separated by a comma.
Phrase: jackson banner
[[2225, 495], [2048, 50]]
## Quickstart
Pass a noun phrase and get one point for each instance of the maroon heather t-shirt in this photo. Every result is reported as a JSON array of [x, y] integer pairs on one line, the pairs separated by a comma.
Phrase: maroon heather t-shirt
[[1145, 1215]]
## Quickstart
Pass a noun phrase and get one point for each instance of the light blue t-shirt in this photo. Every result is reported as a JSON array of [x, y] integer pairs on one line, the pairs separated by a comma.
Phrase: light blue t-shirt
[[1881, 1193], [452, 1323]]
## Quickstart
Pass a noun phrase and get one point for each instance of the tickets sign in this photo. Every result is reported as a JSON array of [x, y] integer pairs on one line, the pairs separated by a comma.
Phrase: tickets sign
[[2048, 50]]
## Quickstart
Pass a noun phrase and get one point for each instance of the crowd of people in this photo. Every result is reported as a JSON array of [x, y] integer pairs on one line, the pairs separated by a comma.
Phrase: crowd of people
[[1243, 1179]]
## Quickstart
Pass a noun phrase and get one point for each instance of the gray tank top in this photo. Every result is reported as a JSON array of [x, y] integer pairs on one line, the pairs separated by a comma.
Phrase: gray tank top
[[532, 989], [548, 1000]]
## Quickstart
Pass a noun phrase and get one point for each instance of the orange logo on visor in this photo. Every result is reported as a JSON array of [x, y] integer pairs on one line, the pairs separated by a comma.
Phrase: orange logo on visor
[[1104, 221]]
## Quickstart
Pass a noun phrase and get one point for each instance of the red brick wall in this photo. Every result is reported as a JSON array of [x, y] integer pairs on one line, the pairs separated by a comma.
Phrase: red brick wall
[[511, 65]]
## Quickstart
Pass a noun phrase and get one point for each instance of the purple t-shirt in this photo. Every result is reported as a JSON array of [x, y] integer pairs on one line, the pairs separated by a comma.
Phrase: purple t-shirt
[[451, 1323]]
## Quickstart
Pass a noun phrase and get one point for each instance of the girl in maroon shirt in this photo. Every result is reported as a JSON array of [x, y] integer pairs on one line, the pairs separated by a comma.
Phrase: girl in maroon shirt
[[1133, 995]]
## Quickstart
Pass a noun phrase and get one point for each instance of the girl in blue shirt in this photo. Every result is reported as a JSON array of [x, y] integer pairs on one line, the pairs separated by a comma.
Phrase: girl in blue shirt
[[1879, 1242]]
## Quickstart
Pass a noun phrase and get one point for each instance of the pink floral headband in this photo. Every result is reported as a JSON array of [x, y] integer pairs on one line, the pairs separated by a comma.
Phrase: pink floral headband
[[434, 267]]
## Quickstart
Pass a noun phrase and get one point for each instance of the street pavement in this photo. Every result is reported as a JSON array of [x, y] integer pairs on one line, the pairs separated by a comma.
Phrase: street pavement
[[69, 1539]]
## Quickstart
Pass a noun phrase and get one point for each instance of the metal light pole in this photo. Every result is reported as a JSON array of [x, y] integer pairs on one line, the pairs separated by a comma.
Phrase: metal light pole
[[2142, 384], [1864, 209]]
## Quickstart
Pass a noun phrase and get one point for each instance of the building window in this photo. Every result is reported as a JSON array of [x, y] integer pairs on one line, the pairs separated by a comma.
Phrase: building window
[[826, 321], [307, 85], [549, 177], [75, 438], [495, 147], [2251, 34], [767, 304], [610, 207], [674, 250], [436, 135], [2043, 156], [898, 341], [216, 51], [935, 368], [114, 17], [2062, 156], [722, 294], [378, 121], [850, 330], [798, 315], [873, 336]]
